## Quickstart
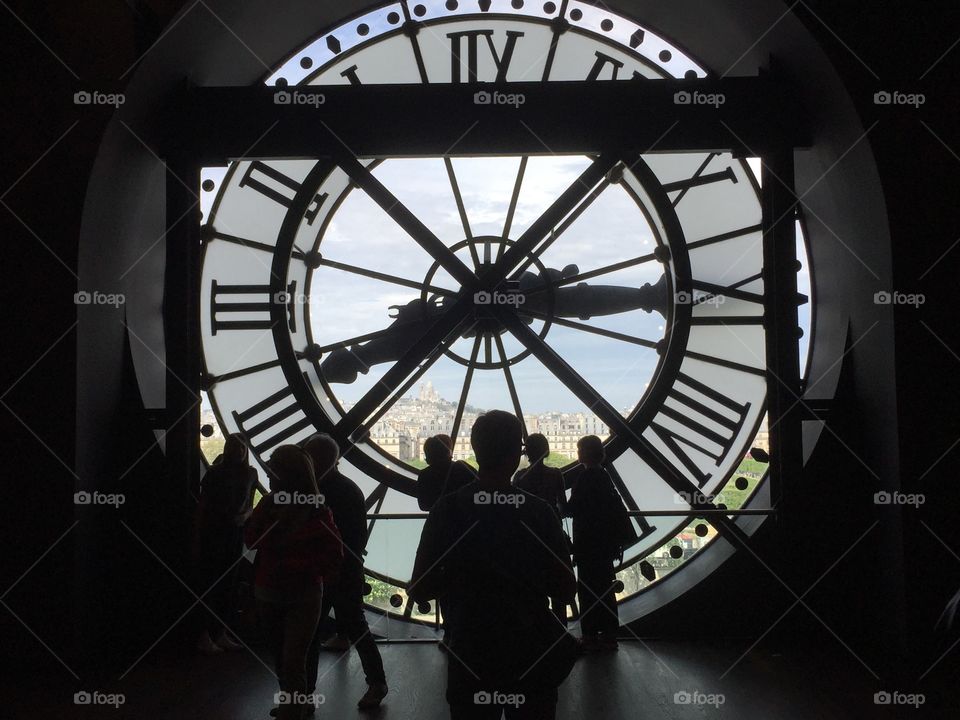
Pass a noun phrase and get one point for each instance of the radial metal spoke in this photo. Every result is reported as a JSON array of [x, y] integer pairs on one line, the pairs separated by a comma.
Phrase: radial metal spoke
[[464, 393], [568, 200], [590, 329], [580, 277], [567, 222], [354, 340], [409, 222], [508, 224], [385, 277], [464, 220], [615, 421], [510, 386]]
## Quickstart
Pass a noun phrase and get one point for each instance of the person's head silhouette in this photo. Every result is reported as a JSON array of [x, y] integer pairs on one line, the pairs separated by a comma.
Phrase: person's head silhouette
[[497, 440], [291, 471], [234, 450], [435, 449], [537, 448], [590, 451], [324, 452]]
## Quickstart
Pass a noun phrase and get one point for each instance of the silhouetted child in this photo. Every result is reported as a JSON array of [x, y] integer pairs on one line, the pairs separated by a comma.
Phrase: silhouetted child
[[298, 551], [595, 507]]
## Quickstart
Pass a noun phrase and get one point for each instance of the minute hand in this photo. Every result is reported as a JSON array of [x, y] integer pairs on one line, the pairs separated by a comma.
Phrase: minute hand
[[584, 301]]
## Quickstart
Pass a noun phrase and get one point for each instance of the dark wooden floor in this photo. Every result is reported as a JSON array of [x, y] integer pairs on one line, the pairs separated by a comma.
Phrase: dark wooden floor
[[639, 682]]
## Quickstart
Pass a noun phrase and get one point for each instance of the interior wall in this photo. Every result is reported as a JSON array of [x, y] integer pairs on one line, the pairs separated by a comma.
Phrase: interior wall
[[68, 426]]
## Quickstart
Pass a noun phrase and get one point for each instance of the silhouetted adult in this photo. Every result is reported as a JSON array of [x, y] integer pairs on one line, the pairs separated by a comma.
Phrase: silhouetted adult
[[547, 484], [346, 502], [442, 475], [226, 501], [496, 553], [298, 552], [596, 509]]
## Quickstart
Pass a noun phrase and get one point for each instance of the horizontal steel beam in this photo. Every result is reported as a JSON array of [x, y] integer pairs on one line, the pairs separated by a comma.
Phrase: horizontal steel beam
[[635, 513], [217, 124]]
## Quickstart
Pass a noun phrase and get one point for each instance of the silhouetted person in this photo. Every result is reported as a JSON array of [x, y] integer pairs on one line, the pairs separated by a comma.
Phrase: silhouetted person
[[547, 484], [298, 552], [595, 506], [442, 475], [346, 502], [494, 554], [226, 501]]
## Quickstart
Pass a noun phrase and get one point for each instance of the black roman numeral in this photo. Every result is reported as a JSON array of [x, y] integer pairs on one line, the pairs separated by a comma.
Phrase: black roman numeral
[[259, 307], [351, 74], [271, 183], [502, 61], [273, 410], [600, 63], [692, 417]]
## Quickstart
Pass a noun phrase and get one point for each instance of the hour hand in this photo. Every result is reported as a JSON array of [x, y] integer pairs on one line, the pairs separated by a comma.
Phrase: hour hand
[[344, 364]]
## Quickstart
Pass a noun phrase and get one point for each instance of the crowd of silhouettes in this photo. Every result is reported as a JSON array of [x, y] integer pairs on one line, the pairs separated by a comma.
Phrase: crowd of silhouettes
[[493, 555]]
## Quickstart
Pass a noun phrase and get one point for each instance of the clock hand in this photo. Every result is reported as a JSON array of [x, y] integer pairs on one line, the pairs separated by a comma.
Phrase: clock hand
[[584, 301], [411, 321]]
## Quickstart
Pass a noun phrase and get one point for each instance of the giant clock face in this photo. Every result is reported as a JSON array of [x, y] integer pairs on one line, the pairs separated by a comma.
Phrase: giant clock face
[[388, 299]]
